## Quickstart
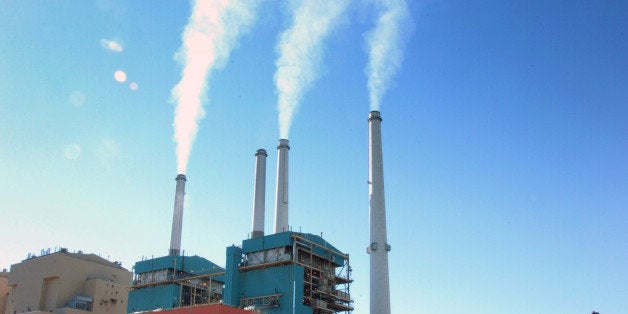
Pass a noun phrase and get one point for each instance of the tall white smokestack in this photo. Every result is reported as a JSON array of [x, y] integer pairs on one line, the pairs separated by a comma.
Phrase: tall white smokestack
[[259, 194], [177, 216], [281, 201], [378, 249]]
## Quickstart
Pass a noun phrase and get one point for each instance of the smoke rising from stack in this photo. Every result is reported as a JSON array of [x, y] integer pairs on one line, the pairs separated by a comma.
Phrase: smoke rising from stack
[[300, 49], [212, 31], [385, 48]]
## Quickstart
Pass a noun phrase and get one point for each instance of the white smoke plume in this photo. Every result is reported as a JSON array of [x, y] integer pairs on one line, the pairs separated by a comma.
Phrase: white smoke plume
[[300, 49], [385, 47], [212, 31]]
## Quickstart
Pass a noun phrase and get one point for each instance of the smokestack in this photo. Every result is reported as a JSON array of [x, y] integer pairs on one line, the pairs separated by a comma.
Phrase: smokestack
[[177, 216], [281, 201], [379, 248], [259, 194]]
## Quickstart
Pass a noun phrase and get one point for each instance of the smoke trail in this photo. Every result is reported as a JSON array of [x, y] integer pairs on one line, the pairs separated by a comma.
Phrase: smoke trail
[[384, 44], [300, 49], [213, 29]]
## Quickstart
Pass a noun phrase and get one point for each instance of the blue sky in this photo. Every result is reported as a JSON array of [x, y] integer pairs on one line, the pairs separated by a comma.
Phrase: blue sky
[[505, 146]]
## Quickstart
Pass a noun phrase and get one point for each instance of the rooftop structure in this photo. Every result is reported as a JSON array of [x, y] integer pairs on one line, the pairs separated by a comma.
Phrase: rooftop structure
[[64, 282], [288, 272], [205, 309], [175, 281]]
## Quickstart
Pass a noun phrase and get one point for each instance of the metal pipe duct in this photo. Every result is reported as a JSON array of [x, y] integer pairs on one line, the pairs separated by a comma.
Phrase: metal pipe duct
[[281, 200], [378, 248], [177, 216], [259, 194]]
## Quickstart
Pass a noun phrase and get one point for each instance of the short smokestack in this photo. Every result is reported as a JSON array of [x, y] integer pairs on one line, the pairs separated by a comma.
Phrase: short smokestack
[[378, 248], [281, 201], [259, 194], [177, 216]]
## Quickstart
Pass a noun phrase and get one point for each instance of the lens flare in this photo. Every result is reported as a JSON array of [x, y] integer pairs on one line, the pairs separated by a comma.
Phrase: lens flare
[[72, 151], [77, 98], [111, 45], [120, 76]]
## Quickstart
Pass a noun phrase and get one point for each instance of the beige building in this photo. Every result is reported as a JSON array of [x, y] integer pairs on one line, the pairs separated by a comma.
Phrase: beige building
[[4, 289], [68, 283]]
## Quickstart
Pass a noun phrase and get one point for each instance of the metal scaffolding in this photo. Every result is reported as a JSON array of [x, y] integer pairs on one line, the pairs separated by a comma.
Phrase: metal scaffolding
[[324, 289]]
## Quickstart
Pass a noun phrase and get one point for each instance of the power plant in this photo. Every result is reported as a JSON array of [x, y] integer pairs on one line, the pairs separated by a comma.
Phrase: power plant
[[285, 272], [175, 280], [281, 272]]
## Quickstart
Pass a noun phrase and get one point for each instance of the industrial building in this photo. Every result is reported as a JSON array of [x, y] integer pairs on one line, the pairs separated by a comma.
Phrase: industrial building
[[175, 281], [67, 283], [288, 272], [284, 272]]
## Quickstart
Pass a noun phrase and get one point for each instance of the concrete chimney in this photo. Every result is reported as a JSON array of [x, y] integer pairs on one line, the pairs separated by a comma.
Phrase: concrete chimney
[[177, 216], [259, 194], [281, 201], [378, 248]]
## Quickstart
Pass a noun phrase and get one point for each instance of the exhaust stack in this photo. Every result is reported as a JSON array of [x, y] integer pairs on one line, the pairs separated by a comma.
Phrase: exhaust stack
[[259, 194], [177, 216], [281, 200], [378, 248]]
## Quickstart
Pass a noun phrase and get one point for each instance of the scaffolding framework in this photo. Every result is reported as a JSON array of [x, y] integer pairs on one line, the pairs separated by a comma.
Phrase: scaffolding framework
[[261, 302], [325, 290], [194, 290], [326, 275], [175, 281]]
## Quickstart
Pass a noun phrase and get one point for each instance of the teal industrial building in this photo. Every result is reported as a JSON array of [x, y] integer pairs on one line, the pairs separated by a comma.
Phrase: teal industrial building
[[286, 272], [174, 281], [283, 272]]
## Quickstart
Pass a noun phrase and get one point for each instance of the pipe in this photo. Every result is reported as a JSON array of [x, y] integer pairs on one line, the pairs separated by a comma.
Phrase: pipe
[[259, 194], [378, 248], [281, 200], [177, 216]]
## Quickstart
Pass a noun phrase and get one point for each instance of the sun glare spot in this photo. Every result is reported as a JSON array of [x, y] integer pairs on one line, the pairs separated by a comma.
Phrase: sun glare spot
[[77, 98], [133, 86], [120, 76]]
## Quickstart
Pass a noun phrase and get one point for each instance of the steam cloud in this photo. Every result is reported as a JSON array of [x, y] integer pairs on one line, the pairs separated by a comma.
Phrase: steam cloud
[[300, 49], [212, 31], [384, 44]]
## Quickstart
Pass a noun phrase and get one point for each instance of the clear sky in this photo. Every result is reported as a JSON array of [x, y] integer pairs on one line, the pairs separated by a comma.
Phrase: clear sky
[[505, 138]]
